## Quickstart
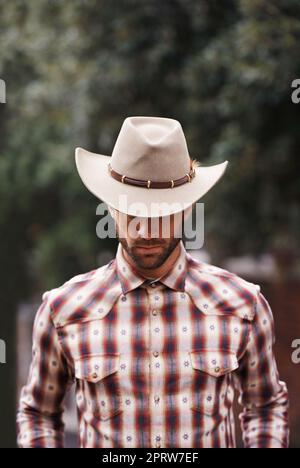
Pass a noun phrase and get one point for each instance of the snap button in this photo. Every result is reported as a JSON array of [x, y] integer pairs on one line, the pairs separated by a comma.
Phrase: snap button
[[155, 353], [217, 370]]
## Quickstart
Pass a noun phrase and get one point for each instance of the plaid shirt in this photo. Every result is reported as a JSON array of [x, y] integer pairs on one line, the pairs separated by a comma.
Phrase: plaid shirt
[[155, 365]]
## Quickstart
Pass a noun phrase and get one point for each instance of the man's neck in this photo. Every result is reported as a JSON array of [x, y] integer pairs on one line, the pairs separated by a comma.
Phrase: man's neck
[[155, 273]]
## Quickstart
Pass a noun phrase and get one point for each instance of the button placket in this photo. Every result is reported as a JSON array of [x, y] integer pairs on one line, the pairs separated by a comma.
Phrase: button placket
[[155, 357]]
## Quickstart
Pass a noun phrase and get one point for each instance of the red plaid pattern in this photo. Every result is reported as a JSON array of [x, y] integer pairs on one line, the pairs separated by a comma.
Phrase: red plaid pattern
[[155, 365]]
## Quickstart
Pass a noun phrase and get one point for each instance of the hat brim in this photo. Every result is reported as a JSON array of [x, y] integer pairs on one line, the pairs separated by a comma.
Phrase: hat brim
[[93, 171]]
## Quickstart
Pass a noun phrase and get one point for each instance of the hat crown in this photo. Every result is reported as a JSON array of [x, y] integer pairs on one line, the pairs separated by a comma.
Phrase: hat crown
[[151, 148]]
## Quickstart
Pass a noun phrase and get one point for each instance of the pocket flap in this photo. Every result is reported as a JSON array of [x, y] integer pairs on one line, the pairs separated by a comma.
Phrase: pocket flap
[[95, 367], [214, 362]]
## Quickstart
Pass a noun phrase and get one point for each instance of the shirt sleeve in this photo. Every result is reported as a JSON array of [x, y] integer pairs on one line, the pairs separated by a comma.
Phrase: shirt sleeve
[[39, 417], [264, 398]]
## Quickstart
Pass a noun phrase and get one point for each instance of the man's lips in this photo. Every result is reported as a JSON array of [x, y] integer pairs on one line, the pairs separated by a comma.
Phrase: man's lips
[[154, 247]]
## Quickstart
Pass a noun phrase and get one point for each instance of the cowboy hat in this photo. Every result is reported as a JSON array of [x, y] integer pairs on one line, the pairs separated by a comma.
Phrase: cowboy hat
[[150, 172]]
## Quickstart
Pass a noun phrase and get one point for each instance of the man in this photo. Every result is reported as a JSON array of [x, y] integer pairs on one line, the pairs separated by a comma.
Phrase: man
[[155, 341]]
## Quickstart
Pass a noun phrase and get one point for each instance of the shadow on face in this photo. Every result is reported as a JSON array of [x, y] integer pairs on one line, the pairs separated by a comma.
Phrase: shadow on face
[[149, 241]]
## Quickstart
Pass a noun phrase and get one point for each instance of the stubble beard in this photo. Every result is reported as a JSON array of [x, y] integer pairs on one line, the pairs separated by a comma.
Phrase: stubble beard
[[149, 261]]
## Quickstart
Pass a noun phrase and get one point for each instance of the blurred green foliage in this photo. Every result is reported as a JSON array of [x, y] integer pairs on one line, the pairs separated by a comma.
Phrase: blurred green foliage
[[75, 69]]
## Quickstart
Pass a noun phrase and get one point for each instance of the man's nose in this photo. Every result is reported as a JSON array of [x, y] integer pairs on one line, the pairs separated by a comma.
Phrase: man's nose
[[148, 228]]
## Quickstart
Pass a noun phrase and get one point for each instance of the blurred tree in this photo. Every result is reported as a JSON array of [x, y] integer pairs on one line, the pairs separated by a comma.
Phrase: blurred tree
[[75, 69], [239, 108]]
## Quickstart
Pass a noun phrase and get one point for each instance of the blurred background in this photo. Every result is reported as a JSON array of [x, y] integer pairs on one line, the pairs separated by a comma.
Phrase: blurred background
[[74, 70]]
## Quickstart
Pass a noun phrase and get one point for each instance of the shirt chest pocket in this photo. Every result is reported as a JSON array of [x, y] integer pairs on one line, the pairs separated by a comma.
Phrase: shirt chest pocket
[[211, 369], [98, 384]]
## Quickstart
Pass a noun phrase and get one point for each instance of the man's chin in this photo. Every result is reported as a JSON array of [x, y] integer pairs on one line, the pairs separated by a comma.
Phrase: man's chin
[[148, 262]]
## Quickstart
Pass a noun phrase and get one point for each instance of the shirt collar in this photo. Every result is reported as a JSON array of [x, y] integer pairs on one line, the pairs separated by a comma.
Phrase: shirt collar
[[131, 279]]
